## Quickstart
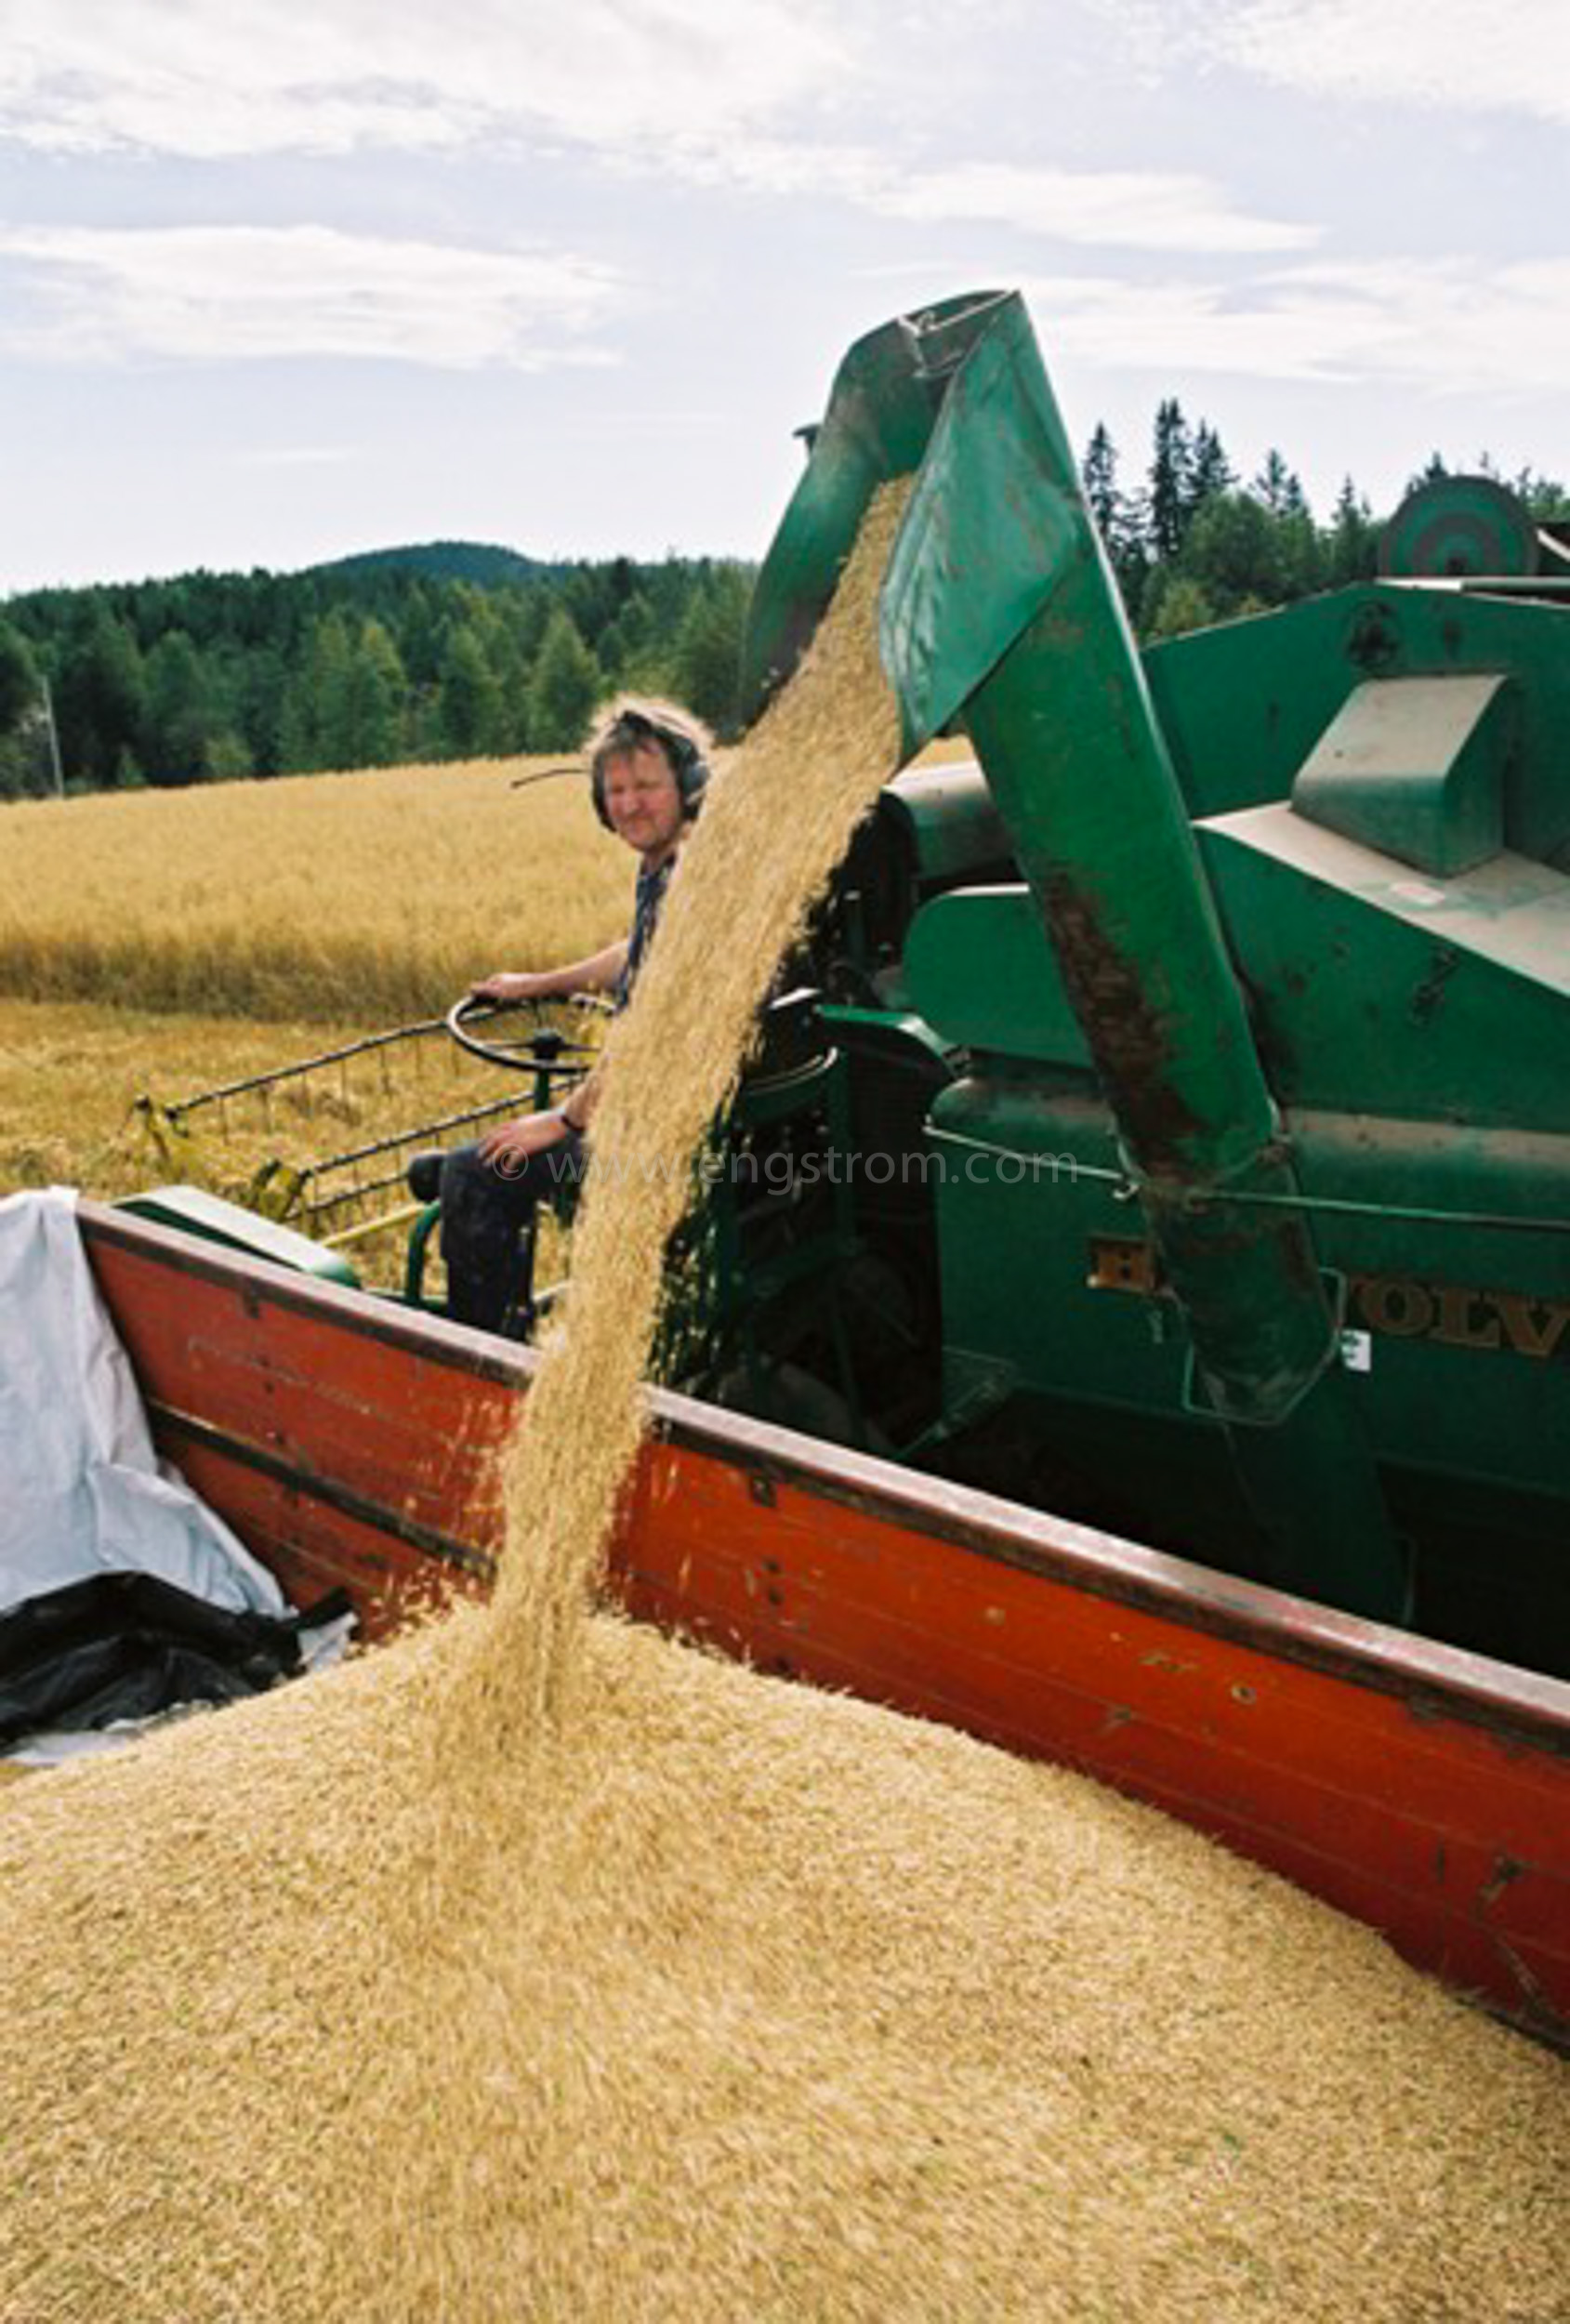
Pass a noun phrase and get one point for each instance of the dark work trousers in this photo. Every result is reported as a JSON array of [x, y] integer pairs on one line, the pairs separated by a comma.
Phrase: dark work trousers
[[485, 1217]]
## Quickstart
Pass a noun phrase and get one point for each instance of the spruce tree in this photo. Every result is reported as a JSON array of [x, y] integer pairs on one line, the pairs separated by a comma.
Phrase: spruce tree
[[18, 680], [1099, 473], [708, 648], [1209, 469], [566, 686], [1277, 487], [469, 705], [1170, 479], [100, 696], [1354, 538], [178, 722]]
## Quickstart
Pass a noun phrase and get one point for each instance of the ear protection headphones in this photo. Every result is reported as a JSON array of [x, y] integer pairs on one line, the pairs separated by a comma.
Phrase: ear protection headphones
[[634, 729]]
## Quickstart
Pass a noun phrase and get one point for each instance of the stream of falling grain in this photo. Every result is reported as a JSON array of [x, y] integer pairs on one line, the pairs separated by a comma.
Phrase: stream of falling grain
[[752, 868], [539, 1971]]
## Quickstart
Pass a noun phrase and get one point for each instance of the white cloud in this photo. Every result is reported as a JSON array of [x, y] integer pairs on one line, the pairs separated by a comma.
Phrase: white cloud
[[288, 455], [717, 92], [1512, 54], [1509, 55], [1124, 210], [185, 77], [1445, 327], [234, 292], [786, 166], [1136, 210]]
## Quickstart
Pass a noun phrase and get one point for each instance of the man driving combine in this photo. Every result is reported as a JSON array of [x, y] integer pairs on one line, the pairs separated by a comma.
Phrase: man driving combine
[[648, 769]]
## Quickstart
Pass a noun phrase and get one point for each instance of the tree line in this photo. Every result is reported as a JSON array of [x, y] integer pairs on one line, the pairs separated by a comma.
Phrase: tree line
[[456, 651], [1191, 543], [379, 661]]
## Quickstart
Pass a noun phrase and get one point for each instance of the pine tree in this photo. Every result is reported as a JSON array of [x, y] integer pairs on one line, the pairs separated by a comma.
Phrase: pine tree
[[1351, 548], [317, 729], [1099, 473], [468, 708], [1209, 469], [1180, 604], [18, 680], [1277, 487], [708, 648], [179, 721], [566, 686], [374, 694], [1233, 555], [1170, 474]]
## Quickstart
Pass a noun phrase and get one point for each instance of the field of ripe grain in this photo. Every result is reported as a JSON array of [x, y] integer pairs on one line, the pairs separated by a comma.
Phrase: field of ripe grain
[[352, 899], [155, 943]]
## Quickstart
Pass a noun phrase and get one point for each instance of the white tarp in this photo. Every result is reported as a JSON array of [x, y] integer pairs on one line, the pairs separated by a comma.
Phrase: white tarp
[[81, 1491]]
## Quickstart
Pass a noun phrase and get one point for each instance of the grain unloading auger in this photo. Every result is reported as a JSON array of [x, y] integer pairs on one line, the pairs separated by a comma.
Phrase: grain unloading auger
[[1279, 1267]]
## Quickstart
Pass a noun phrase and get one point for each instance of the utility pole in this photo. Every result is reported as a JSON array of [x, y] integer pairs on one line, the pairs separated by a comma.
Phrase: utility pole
[[54, 738]]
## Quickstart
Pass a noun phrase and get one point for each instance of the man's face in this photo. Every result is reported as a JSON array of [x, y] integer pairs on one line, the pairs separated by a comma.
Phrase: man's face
[[643, 800]]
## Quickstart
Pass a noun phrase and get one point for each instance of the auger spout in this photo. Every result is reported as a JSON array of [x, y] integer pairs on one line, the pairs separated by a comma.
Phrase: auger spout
[[998, 611]]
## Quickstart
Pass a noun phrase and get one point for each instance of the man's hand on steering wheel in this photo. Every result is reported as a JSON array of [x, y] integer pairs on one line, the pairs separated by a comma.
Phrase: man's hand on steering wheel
[[508, 985]]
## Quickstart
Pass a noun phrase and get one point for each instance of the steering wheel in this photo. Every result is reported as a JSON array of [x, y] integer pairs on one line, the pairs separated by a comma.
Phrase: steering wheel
[[536, 1047]]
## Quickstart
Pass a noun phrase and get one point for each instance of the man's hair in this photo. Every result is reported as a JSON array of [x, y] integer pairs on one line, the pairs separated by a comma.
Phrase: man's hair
[[636, 721]]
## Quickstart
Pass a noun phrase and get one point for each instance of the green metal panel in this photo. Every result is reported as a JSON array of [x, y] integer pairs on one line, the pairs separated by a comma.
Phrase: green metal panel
[[989, 536], [980, 967], [1450, 1243], [949, 820], [195, 1212], [1023, 1178], [1468, 1323], [1242, 705], [1377, 989], [1415, 766]]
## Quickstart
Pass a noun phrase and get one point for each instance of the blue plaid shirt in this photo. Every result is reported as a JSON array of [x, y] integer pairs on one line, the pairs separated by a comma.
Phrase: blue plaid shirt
[[650, 896]]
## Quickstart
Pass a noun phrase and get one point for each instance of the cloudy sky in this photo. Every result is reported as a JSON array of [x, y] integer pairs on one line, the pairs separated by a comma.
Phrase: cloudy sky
[[278, 284]]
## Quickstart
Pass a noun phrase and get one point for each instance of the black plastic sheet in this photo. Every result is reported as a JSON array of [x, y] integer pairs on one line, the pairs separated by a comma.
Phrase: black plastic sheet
[[127, 1645]]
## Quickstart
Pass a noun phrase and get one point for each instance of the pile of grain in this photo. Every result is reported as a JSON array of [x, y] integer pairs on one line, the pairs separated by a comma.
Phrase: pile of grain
[[540, 1969]]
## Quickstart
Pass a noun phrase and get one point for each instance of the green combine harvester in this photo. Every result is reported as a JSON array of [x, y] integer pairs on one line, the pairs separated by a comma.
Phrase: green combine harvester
[[1216, 1020], [1170, 1124]]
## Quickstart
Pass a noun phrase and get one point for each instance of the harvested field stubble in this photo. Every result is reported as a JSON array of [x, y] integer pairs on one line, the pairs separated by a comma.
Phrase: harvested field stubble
[[538, 1968]]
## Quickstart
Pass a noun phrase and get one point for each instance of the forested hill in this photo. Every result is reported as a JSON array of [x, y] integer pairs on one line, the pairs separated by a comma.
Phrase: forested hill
[[457, 650], [450, 561]]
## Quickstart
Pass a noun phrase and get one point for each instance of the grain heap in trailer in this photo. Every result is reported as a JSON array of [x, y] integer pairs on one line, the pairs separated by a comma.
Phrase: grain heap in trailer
[[1188, 1362]]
